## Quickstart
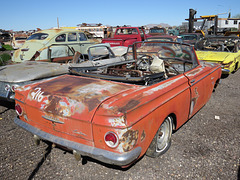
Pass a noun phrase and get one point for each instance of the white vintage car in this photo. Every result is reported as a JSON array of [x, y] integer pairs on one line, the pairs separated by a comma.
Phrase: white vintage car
[[53, 45]]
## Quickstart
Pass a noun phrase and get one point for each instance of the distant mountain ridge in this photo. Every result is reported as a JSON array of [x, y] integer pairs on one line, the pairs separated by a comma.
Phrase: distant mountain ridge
[[161, 24]]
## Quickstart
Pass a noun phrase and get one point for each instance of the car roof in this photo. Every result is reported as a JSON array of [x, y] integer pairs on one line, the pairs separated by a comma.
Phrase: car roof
[[57, 31]]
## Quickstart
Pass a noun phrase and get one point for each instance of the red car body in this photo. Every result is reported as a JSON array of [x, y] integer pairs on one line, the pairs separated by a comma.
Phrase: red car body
[[117, 122], [125, 36]]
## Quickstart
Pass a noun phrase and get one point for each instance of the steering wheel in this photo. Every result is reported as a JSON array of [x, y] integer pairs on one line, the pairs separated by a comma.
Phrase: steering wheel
[[145, 60]]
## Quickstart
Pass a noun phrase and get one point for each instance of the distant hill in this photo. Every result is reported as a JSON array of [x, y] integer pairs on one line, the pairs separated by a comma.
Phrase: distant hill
[[161, 24]]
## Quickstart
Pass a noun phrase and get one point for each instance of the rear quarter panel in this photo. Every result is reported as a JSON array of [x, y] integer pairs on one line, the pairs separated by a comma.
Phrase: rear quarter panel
[[142, 113]]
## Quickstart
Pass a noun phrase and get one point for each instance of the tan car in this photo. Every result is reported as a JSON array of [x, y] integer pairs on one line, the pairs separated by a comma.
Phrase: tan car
[[18, 40], [55, 45]]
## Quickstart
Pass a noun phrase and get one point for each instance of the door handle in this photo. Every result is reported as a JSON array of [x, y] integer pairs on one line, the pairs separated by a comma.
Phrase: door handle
[[192, 81]]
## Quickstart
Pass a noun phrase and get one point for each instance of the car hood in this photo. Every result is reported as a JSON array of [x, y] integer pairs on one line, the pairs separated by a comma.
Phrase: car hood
[[31, 70], [70, 96], [212, 56]]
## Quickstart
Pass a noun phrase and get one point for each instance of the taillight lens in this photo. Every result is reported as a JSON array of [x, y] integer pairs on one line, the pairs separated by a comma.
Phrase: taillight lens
[[7, 87], [18, 109], [13, 87], [111, 139]]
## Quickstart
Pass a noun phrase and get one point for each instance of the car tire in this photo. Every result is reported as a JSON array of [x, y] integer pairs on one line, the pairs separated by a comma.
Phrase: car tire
[[236, 67], [162, 139]]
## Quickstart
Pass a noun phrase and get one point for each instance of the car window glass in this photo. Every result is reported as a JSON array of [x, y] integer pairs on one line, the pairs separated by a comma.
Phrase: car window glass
[[72, 36], [82, 37], [61, 38], [38, 36]]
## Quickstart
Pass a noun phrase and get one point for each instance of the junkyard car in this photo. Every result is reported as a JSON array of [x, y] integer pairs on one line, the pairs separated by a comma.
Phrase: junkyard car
[[57, 42], [18, 40], [222, 50], [13, 76], [195, 39], [157, 31], [165, 38], [119, 112]]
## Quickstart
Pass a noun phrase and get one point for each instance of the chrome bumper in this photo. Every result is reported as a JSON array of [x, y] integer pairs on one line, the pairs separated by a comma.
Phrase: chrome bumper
[[225, 71], [93, 152]]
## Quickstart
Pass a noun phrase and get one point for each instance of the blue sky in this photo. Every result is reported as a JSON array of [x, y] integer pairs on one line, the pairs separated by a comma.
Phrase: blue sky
[[32, 14]]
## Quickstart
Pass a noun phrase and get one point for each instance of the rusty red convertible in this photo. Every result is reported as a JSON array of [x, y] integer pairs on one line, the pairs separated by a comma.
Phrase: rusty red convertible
[[118, 112]]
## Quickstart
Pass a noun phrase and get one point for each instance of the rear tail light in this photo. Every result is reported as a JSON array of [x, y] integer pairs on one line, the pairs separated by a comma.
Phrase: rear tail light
[[13, 87], [7, 87], [18, 109], [111, 139]]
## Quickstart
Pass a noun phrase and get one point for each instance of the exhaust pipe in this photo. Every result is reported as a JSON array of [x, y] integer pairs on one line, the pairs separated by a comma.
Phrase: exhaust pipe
[[77, 155], [36, 139]]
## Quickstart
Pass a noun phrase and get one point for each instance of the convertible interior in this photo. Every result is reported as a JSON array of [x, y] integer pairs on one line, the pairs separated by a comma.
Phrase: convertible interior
[[145, 65]]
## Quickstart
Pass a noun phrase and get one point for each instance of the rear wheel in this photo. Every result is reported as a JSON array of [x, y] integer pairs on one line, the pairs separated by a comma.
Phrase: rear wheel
[[162, 140]]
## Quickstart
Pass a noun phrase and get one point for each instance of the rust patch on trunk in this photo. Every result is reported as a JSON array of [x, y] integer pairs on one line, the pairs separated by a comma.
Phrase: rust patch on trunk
[[131, 104], [52, 107]]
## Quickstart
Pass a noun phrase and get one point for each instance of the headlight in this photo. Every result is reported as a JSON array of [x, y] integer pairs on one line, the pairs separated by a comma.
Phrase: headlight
[[226, 65]]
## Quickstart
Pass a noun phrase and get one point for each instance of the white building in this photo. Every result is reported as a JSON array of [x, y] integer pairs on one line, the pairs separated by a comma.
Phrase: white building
[[222, 23]]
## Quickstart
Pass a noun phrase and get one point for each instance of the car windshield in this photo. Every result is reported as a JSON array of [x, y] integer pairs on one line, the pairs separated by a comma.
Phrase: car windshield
[[38, 36], [126, 31], [189, 37], [100, 52], [165, 50], [156, 30], [159, 39]]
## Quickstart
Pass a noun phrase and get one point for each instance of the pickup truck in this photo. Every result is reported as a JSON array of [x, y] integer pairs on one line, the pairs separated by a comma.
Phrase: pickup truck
[[125, 36]]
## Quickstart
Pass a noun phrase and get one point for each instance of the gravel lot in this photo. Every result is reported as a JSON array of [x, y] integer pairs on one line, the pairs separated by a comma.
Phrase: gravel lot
[[206, 147]]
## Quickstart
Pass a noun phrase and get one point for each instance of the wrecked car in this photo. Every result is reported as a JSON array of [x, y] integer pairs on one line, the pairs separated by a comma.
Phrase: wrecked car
[[59, 40], [119, 112], [157, 31], [27, 72], [13, 76], [195, 39], [222, 50], [18, 40], [125, 36], [165, 38]]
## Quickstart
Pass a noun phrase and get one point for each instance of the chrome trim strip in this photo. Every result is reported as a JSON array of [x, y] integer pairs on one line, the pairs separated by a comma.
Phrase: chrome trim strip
[[203, 77], [226, 70], [56, 120], [19, 101]]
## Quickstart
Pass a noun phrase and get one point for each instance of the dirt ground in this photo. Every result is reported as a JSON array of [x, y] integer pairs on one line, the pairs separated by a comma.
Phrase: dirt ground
[[206, 147]]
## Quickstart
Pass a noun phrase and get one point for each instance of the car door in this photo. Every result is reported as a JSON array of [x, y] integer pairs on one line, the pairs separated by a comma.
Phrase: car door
[[200, 87], [84, 43], [73, 43]]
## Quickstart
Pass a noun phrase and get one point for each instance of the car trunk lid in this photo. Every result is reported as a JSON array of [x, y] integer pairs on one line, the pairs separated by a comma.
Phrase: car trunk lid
[[67, 104]]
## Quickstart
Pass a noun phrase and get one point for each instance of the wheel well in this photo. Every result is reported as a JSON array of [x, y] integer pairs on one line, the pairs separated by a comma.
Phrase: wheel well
[[216, 84], [236, 67], [173, 116]]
